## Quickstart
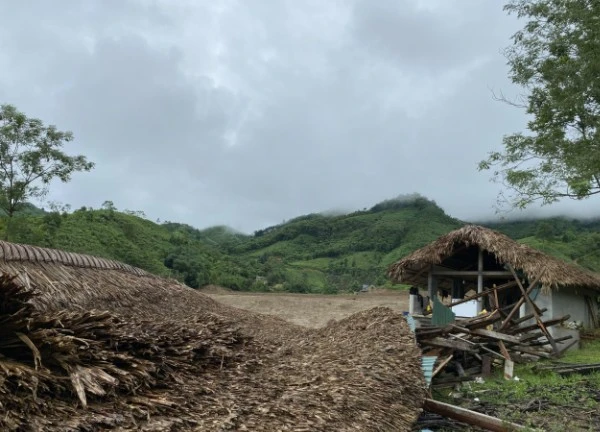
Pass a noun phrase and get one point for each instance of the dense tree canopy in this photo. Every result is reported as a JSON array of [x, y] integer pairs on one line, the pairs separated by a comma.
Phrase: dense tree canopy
[[555, 58]]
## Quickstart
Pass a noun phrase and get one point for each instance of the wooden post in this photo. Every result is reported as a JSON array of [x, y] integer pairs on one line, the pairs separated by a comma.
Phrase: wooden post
[[431, 284], [486, 365], [479, 278]]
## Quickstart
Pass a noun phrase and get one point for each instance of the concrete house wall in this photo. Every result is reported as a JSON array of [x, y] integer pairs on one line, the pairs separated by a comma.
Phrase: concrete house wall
[[563, 302]]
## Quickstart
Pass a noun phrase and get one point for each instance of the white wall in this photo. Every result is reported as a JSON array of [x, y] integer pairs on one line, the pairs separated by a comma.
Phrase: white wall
[[563, 302], [572, 302]]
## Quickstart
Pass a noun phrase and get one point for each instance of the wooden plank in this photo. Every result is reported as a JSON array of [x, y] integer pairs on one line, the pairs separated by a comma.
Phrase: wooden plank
[[496, 335], [470, 417], [528, 317], [547, 323], [578, 370], [483, 321], [532, 351], [459, 328], [531, 336], [560, 339], [447, 343]]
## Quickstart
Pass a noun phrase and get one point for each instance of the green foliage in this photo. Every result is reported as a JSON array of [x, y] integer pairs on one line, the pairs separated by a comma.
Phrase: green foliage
[[315, 253], [576, 241], [30, 158], [555, 57], [139, 242], [343, 252]]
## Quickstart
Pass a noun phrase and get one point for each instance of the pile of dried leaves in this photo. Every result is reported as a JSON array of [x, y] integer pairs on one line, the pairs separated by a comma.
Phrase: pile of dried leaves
[[215, 369]]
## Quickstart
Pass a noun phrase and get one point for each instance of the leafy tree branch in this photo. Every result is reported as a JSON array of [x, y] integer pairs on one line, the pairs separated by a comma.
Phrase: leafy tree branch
[[31, 156]]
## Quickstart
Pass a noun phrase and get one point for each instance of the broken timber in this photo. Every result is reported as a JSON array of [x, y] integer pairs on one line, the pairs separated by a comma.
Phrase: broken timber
[[472, 418], [462, 344]]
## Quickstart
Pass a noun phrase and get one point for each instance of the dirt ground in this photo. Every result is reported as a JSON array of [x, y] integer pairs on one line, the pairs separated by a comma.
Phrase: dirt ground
[[310, 310]]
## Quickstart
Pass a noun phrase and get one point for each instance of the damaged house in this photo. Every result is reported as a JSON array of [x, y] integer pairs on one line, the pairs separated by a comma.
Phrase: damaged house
[[475, 269]]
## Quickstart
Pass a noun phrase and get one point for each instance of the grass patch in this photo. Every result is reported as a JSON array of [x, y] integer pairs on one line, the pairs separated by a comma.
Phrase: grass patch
[[538, 399], [589, 353]]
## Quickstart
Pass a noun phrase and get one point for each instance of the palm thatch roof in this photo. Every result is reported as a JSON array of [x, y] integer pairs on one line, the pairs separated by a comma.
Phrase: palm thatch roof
[[92, 344], [552, 272]]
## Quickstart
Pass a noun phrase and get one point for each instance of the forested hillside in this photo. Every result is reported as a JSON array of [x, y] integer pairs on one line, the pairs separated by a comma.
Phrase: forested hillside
[[312, 253]]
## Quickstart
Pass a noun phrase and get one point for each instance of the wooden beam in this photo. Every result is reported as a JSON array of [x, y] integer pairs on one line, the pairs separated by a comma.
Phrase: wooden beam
[[531, 350], [490, 273], [447, 343], [486, 292], [496, 301], [504, 351], [528, 317], [546, 323], [481, 321], [496, 336], [494, 353], [520, 302], [535, 311], [441, 366], [560, 339], [470, 417]]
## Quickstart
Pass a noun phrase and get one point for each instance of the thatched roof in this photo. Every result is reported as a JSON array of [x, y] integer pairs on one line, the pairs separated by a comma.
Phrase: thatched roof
[[11, 252], [552, 272], [90, 344]]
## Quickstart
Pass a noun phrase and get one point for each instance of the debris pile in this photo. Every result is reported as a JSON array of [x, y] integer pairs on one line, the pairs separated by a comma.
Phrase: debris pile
[[190, 364], [466, 348]]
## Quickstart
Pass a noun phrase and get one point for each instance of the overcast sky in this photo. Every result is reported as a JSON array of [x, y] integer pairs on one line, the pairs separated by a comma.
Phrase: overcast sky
[[249, 112]]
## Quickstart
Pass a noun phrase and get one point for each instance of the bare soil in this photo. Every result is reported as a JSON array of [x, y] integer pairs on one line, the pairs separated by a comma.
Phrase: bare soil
[[311, 310]]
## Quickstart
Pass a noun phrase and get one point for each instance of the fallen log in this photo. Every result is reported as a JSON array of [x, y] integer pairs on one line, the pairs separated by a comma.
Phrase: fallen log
[[472, 418]]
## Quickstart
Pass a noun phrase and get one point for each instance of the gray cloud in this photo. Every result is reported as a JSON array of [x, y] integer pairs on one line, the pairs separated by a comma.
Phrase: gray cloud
[[250, 112]]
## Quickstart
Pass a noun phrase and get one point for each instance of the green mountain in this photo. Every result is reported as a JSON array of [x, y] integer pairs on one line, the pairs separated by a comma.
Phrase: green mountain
[[312, 253], [331, 253], [172, 250]]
